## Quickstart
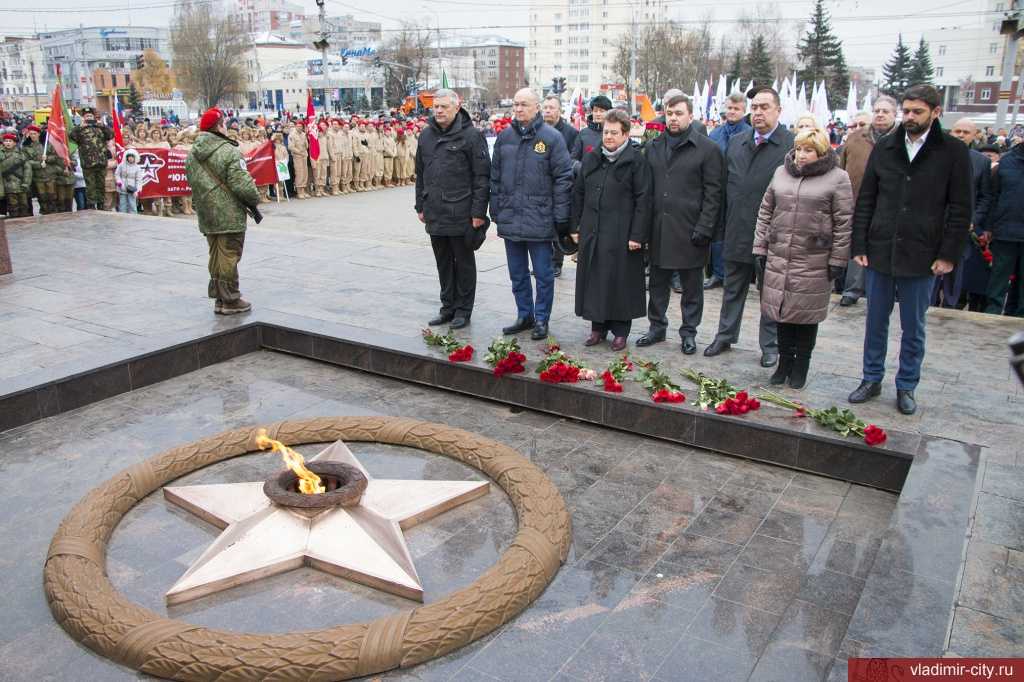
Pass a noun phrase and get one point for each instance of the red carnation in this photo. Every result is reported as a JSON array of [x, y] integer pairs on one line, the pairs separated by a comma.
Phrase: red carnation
[[611, 384], [463, 354], [874, 435], [987, 255], [664, 395]]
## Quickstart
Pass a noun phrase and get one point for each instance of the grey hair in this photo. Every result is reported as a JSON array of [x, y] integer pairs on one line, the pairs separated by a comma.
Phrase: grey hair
[[885, 98], [737, 98], [555, 98], [446, 93]]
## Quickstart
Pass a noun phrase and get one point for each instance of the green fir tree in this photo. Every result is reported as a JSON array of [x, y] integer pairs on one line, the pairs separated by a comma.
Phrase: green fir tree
[[896, 71], [134, 99], [819, 48], [737, 67], [921, 69], [758, 64], [838, 83]]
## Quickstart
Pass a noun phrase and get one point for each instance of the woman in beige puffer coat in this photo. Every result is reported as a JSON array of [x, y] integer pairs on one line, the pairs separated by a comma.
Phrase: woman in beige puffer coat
[[802, 240]]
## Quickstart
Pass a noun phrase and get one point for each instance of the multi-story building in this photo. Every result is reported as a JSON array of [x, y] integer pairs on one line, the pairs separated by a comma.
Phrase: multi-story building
[[578, 39], [108, 50], [23, 81], [969, 59], [344, 32], [493, 67], [263, 16]]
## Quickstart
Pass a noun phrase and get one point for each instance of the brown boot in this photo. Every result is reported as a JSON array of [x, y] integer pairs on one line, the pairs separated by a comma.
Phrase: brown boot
[[232, 307]]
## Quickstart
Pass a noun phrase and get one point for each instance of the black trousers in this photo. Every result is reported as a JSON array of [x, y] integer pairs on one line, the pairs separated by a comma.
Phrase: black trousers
[[796, 340], [734, 297], [456, 271], [692, 300], [616, 327]]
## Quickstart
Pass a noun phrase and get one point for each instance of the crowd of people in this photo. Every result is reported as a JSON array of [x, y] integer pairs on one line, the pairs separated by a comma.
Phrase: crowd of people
[[895, 212]]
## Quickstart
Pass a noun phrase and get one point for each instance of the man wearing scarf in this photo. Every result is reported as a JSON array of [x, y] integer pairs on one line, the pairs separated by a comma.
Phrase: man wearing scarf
[[854, 159]]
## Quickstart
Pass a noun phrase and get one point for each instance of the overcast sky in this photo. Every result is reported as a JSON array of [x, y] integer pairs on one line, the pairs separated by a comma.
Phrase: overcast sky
[[868, 28]]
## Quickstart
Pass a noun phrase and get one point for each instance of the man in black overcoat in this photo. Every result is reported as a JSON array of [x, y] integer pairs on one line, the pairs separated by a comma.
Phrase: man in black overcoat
[[687, 171], [750, 164]]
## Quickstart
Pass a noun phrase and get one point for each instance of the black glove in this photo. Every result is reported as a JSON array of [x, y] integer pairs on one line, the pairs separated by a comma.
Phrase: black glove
[[562, 229], [699, 240], [760, 262], [835, 272]]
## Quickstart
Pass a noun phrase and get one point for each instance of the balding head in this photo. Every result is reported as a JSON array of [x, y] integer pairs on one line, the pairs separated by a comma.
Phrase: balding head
[[966, 130], [525, 105]]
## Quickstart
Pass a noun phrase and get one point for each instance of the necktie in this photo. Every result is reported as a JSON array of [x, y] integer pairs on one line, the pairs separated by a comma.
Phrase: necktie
[[758, 140]]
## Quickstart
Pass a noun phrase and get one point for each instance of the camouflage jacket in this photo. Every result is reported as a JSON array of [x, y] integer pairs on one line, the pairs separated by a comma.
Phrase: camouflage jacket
[[53, 171], [92, 144], [16, 170], [219, 208]]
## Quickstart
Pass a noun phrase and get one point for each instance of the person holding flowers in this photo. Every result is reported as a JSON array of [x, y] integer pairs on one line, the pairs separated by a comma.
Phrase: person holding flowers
[[802, 241], [611, 221]]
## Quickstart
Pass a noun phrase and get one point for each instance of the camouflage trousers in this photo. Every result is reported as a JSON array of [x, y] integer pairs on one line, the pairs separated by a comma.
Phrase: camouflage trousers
[[64, 198], [46, 190], [225, 252], [17, 205], [95, 187]]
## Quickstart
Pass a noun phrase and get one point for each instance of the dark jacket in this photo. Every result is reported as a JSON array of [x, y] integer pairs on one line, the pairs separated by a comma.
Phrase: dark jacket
[[687, 198], [725, 132], [569, 134], [453, 171], [749, 170], [611, 206], [531, 182], [1006, 222], [587, 140], [910, 214], [975, 267]]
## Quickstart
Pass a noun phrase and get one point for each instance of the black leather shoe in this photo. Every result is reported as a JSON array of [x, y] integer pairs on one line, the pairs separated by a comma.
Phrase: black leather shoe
[[768, 359], [847, 301], [689, 346], [905, 402], [540, 331], [650, 338], [712, 282], [558, 271], [716, 348], [441, 319], [520, 325], [459, 322], [865, 392]]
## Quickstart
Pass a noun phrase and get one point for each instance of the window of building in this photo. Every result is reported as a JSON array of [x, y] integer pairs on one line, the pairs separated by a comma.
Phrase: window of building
[[990, 70], [939, 71], [558, 29], [993, 48], [558, 41], [1000, 6], [986, 94], [942, 50]]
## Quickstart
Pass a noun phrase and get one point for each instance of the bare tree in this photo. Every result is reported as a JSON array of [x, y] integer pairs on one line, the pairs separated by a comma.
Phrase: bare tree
[[668, 56], [409, 48], [209, 46], [780, 37]]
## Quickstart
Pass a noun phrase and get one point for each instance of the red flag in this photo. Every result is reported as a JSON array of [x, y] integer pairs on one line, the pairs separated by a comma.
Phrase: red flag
[[261, 164], [56, 132], [310, 111], [118, 122], [581, 116]]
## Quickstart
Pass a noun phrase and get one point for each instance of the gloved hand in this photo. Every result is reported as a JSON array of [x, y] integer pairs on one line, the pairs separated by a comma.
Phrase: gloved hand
[[760, 262], [699, 240], [562, 229], [834, 272]]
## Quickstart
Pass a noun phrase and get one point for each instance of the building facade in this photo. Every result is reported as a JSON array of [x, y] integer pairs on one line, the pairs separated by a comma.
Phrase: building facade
[[112, 51], [578, 40], [344, 32], [262, 16], [23, 81]]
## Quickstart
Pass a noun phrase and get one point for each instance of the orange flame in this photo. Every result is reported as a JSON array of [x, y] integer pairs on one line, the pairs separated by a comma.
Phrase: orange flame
[[309, 483]]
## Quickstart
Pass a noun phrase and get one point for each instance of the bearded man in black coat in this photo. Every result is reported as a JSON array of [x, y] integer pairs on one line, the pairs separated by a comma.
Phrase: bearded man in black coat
[[687, 171]]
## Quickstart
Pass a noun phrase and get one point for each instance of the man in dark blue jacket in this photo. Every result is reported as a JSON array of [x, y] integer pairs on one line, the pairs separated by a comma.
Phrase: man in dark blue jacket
[[531, 197], [1006, 225]]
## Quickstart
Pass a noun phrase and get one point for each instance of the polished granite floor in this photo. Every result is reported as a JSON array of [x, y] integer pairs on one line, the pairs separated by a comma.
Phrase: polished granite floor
[[685, 565], [90, 282]]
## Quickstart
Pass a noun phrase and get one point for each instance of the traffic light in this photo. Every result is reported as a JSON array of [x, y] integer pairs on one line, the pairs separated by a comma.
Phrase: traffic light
[[376, 62], [558, 85], [344, 60], [140, 62]]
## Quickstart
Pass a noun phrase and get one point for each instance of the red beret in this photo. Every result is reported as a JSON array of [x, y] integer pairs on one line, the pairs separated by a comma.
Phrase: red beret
[[31, 128], [210, 119], [10, 136]]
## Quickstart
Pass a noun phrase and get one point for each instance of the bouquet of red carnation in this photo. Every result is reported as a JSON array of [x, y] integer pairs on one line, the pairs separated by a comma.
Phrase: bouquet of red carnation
[[559, 368], [616, 372], [844, 422], [741, 403], [456, 351], [658, 384], [505, 357], [981, 243]]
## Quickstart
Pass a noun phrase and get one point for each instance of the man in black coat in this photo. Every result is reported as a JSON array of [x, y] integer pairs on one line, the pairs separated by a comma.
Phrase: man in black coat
[[453, 172], [687, 170], [910, 225], [551, 111], [750, 164]]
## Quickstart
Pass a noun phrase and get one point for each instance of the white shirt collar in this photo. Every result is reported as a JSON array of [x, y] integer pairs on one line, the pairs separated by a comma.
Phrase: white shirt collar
[[914, 146]]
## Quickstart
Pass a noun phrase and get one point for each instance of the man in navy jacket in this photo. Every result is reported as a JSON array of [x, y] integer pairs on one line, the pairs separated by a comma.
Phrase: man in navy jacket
[[531, 197]]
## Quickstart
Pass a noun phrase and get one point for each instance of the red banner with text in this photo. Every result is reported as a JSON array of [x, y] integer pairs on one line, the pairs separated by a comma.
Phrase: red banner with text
[[163, 170]]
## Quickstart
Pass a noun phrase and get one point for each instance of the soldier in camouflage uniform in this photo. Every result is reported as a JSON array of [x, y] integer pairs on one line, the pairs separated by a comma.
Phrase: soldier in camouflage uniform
[[221, 188], [17, 176], [94, 142], [44, 174]]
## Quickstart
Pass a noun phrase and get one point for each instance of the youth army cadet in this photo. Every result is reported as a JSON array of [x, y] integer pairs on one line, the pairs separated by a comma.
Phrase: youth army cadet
[[390, 152], [322, 163], [94, 142], [16, 173], [46, 170], [298, 146]]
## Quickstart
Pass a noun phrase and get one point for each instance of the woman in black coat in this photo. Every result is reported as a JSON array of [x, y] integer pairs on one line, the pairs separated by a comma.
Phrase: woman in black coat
[[611, 218]]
